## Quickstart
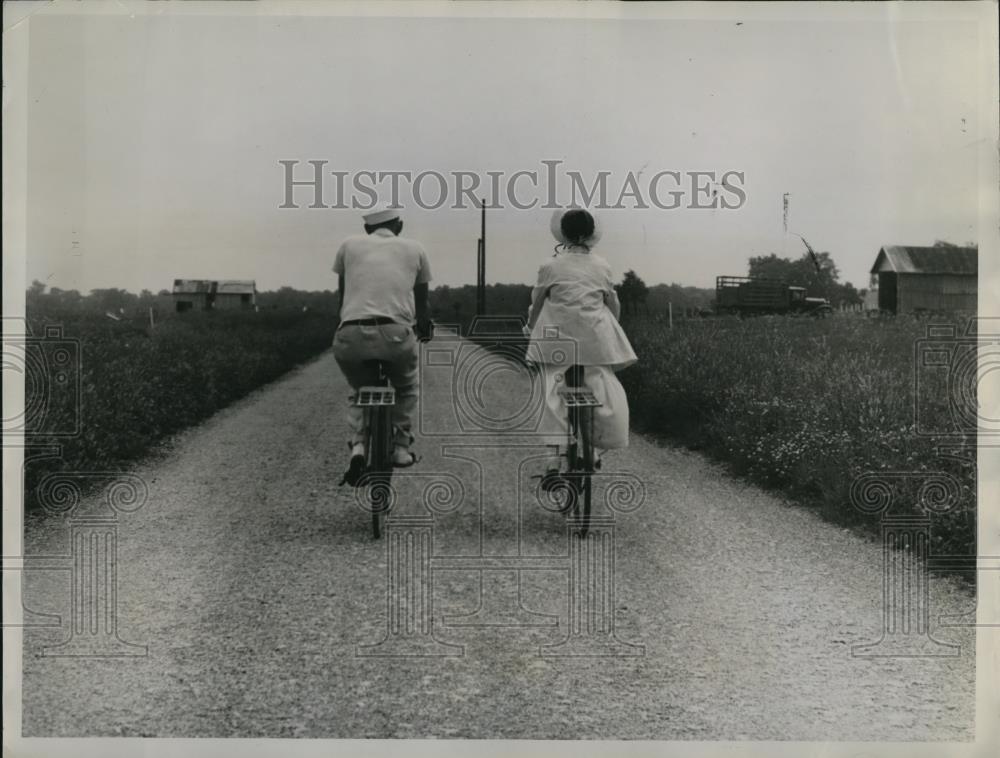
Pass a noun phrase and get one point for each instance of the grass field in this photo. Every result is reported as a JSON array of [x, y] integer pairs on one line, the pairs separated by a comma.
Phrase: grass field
[[802, 406], [806, 406], [123, 386]]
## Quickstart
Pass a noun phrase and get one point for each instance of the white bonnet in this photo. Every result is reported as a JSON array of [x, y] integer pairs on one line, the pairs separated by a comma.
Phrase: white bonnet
[[556, 226]]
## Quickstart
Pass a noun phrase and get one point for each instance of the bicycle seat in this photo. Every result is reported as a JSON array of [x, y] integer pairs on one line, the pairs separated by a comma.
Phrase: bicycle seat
[[378, 367]]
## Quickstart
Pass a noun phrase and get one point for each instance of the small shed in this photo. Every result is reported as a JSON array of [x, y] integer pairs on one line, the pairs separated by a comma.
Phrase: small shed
[[207, 294], [913, 279]]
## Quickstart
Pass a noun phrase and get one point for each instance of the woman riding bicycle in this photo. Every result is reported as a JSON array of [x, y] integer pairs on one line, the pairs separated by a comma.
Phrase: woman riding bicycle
[[575, 299]]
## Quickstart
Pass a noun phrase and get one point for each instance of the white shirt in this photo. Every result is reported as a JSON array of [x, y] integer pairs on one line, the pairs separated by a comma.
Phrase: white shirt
[[380, 271]]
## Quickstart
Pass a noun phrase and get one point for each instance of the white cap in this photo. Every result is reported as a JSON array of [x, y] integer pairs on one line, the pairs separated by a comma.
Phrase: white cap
[[381, 216]]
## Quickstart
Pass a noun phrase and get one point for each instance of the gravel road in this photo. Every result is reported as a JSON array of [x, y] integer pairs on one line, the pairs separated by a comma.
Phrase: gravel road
[[253, 580]]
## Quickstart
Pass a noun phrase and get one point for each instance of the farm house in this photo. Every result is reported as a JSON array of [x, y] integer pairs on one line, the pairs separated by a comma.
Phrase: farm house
[[206, 295], [913, 279]]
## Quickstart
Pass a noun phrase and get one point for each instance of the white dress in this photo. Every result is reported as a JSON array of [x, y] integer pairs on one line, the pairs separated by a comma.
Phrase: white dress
[[576, 326]]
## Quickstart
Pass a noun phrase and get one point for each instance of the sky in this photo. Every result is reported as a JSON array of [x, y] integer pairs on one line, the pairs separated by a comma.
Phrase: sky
[[154, 141]]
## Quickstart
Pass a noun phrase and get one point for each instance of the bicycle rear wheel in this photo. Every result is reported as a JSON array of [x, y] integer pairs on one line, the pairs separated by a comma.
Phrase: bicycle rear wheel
[[586, 460], [379, 467], [580, 453]]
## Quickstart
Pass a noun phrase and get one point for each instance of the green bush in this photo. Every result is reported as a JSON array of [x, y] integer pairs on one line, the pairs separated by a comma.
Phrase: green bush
[[139, 384], [799, 405]]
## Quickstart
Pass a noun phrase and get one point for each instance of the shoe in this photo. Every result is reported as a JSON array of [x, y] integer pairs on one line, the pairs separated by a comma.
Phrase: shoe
[[403, 458], [552, 479], [355, 469]]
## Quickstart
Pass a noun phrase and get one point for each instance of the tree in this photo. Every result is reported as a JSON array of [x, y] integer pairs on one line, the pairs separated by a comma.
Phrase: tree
[[819, 276], [632, 292], [773, 267], [112, 299], [683, 298], [847, 294], [802, 272], [64, 298], [289, 298]]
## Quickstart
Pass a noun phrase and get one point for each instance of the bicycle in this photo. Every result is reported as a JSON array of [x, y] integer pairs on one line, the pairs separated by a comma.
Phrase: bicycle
[[580, 403], [378, 401]]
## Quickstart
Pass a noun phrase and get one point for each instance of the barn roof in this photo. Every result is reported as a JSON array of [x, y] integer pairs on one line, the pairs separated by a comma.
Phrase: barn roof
[[928, 260], [237, 286], [222, 286]]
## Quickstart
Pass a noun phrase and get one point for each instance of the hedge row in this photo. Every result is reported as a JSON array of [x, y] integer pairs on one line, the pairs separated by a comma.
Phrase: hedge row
[[807, 407], [120, 387]]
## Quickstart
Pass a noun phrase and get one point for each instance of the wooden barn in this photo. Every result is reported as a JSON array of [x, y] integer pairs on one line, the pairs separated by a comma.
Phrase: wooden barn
[[207, 295], [916, 279]]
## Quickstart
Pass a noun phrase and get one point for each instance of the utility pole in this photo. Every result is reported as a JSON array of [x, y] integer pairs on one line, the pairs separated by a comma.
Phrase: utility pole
[[481, 265]]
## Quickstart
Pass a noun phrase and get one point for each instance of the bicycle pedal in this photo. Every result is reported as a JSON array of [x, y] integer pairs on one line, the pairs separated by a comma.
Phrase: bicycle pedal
[[553, 481]]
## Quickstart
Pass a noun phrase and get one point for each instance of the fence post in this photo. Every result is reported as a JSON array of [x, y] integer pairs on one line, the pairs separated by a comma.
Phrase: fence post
[[670, 314]]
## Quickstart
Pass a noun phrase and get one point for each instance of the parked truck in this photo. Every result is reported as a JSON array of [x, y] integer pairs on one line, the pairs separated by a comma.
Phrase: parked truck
[[752, 296]]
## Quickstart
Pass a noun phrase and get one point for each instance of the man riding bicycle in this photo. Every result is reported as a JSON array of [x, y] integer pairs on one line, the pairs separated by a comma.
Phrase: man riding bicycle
[[383, 285]]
